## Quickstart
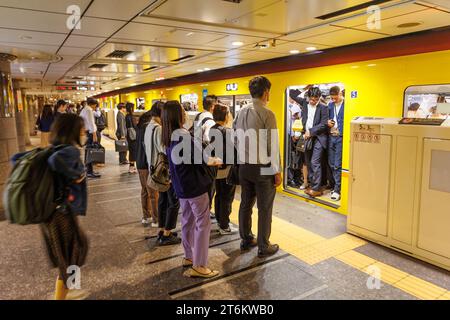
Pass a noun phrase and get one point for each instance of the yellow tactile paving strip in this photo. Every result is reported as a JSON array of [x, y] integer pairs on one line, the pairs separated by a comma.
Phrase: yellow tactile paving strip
[[312, 249]]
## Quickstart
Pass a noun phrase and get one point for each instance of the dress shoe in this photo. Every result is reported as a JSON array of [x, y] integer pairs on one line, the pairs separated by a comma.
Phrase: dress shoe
[[246, 245], [269, 251], [313, 193]]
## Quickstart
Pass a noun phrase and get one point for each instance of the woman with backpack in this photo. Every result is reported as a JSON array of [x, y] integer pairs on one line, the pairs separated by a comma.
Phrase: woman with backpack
[[192, 184], [131, 136], [44, 124], [66, 243], [149, 197], [100, 122], [168, 203]]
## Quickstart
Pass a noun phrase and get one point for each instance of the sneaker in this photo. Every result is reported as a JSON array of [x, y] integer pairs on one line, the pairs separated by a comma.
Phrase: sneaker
[[303, 186], [145, 222], [154, 225], [228, 231], [335, 196], [269, 251], [93, 175], [169, 240]]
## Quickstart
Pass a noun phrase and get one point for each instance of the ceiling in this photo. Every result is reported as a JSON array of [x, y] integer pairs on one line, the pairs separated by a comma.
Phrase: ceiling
[[55, 48]]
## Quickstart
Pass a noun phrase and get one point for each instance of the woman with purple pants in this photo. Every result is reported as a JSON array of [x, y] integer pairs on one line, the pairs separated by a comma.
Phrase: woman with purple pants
[[192, 184]]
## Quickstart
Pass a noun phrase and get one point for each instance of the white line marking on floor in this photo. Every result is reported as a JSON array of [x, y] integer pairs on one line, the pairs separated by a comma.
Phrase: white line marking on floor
[[222, 280], [310, 292], [120, 199], [113, 191]]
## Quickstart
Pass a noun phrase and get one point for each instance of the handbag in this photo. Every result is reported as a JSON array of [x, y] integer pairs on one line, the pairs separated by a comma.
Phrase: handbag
[[301, 144], [121, 145], [95, 154], [309, 144], [132, 134], [159, 177]]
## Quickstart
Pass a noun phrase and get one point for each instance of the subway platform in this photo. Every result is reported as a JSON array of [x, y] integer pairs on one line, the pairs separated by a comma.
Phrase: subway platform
[[318, 260]]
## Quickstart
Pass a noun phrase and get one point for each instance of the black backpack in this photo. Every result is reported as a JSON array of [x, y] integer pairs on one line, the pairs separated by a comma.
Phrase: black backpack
[[100, 122], [197, 124]]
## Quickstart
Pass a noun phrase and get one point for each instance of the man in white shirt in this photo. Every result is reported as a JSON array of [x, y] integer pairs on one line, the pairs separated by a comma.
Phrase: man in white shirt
[[315, 125], [87, 114], [205, 119]]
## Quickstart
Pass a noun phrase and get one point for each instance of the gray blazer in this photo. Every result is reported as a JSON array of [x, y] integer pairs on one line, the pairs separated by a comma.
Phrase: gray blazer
[[121, 131]]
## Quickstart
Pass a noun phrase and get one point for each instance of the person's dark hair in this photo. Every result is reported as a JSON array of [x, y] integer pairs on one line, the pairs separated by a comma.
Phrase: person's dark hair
[[130, 107], [171, 119], [66, 130], [120, 106], [220, 112], [209, 101], [441, 99], [334, 91], [92, 102], [58, 104], [414, 106], [314, 92], [258, 85], [155, 111], [83, 103], [144, 119], [47, 112]]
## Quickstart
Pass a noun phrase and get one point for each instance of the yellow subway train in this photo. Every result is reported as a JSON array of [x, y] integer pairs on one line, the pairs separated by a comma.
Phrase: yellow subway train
[[373, 88]]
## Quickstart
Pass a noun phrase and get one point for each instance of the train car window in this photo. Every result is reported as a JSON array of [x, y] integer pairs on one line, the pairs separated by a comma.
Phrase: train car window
[[427, 101], [303, 177]]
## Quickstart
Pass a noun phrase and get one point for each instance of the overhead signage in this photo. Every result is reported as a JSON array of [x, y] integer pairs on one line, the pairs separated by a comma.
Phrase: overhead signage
[[232, 87]]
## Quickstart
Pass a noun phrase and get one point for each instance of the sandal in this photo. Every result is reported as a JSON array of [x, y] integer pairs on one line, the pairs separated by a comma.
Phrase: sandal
[[187, 263], [192, 273]]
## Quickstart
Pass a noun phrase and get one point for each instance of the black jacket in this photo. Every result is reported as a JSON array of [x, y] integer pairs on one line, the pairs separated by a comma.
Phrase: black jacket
[[320, 128]]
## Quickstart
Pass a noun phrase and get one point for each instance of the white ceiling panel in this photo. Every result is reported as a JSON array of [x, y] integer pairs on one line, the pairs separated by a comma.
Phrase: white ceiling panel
[[388, 11], [429, 19], [33, 20], [83, 41], [227, 41], [343, 37], [74, 51], [141, 31], [30, 37], [185, 37], [284, 47], [320, 30], [59, 6], [98, 27], [256, 55], [441, 3], [117, 9]]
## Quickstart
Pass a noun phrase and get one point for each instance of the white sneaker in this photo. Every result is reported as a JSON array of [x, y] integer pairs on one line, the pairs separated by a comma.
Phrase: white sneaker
[[230, 230], [154, 225], [146, 222], [335, 196], [303, 187]]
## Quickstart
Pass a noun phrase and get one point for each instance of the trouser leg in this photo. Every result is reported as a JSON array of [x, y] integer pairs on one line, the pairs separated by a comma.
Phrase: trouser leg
[[187, 228], [200, 208], [265, 195], [316, 166], [248, 200]]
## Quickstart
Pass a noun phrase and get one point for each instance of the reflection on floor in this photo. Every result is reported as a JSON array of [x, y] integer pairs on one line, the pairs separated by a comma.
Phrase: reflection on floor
[[318, 259]]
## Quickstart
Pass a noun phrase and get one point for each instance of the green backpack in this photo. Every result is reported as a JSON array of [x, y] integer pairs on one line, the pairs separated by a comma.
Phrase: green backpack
[[29, 196]]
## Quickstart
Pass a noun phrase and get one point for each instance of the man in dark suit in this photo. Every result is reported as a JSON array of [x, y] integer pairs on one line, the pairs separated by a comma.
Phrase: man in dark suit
[[315, 128]]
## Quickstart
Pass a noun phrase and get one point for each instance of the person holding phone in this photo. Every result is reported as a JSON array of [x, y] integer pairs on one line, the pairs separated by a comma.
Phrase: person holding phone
[[336, 125]]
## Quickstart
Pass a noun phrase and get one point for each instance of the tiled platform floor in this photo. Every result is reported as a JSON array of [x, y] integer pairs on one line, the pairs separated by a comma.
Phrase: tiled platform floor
[[318, 260]]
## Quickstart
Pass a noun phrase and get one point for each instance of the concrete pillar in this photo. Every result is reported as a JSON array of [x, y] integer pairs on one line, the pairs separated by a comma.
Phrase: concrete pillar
[[20, 118], [26, 118], [8, 132]]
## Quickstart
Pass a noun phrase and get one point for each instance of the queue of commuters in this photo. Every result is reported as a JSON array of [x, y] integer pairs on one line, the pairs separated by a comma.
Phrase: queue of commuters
[[322, 140], [195, 183]]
